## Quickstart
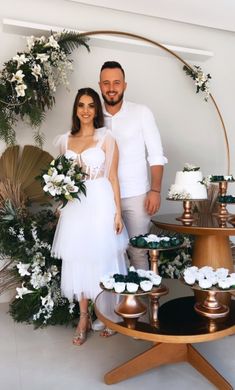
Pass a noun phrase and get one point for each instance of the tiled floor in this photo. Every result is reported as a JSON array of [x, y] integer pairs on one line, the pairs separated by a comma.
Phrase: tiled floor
[[45, 359]]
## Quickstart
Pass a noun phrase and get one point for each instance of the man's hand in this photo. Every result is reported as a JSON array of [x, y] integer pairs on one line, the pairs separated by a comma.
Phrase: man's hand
[[152, 202]]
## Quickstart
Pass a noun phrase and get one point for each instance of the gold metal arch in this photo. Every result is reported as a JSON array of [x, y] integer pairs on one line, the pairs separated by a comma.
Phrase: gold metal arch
[[155, 43]]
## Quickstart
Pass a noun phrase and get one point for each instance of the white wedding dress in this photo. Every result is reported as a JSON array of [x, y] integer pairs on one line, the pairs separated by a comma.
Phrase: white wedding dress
[[85, 237]]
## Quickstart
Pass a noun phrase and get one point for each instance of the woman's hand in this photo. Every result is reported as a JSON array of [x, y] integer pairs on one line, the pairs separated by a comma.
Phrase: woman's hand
[[118, 224]]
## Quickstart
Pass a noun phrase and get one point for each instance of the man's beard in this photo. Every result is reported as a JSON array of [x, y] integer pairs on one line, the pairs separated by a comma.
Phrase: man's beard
[[113, 102]]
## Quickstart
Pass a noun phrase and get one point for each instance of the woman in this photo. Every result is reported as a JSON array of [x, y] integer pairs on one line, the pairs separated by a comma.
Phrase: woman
[[89, 237]]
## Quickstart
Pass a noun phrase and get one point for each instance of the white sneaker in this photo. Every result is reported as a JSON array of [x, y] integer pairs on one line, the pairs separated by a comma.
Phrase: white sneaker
[[97, 325]]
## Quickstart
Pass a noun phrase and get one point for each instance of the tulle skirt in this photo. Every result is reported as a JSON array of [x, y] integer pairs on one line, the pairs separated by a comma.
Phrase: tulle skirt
[[86, 241]]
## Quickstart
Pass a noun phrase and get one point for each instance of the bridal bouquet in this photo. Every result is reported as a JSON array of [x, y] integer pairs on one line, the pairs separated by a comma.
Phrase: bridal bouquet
[[64, 180]]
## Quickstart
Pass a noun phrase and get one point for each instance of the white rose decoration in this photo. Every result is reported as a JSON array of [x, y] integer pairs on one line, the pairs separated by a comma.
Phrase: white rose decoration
[[156, 280], [205, 283], [190, 278], [146, 285], [109, 283], [132, 287], [119, 287], [224, 283]]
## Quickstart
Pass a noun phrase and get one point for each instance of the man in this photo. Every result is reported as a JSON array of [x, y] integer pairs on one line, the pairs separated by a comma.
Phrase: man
[[136, 133]]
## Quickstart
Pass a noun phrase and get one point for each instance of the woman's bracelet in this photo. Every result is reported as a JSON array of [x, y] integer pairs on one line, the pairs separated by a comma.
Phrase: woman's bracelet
[[155, 191]]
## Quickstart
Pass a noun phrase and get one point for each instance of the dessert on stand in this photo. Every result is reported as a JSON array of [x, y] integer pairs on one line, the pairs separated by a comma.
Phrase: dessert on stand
[[131, 288], [223, 198], [188, 187], [155, 244]]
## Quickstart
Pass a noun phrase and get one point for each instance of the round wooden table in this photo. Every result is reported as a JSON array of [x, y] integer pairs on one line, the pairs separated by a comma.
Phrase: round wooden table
[[211, 245], [178, 326]]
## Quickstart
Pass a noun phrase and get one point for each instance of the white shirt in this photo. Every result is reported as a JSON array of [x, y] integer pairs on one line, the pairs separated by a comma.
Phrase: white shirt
[[136, 134]]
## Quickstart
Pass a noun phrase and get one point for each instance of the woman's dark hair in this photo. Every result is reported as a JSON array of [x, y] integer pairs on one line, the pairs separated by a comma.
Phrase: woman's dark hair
[[99, 116]]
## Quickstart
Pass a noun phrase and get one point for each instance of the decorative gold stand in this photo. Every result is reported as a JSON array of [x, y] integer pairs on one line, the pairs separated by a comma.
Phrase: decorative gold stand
[[158, 291], [130, 309], [223, 212], [211, 308], [187, 217]]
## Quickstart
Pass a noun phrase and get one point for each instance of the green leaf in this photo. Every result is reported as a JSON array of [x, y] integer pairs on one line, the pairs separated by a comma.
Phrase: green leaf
[[70, 40]]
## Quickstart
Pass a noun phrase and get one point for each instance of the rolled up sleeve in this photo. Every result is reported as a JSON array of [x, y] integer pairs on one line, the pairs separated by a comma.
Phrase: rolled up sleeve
[[152, 139]]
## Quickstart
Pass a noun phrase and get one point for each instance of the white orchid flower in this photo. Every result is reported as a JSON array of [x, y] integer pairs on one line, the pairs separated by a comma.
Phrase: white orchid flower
[[22, 291], [52, 43], [18, 76], [47, 301], [42, 57], [23, 269], [20, 59], [20, 89], [30, 42], [36, 71]]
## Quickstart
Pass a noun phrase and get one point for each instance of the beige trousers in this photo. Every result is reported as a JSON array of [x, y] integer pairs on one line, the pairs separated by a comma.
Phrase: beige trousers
[[137, 222]]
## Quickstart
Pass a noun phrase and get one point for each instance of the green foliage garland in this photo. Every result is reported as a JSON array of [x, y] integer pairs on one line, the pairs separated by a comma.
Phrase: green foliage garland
[[27, 238]]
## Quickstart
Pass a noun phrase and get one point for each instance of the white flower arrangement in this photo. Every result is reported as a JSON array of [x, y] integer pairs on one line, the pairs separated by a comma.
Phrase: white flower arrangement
[[209, 278], [190, 167], [175, 194], [201, 80], [28, 81], [64, 180], [135, 281]]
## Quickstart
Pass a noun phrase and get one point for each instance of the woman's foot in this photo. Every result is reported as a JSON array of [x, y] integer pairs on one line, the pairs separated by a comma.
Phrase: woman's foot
[[83, 328], [107, 332]]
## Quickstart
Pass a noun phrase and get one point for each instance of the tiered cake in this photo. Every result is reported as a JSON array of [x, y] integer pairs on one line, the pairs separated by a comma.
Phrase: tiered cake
[[188, 184]]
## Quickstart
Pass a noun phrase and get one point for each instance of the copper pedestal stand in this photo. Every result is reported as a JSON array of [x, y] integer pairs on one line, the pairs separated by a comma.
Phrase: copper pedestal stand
[[159, 291], [211, 308], [223, 212], [130, 309], [188, 217]]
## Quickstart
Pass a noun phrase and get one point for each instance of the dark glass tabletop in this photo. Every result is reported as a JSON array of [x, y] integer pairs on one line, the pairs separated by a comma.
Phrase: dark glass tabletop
[[177, 320]]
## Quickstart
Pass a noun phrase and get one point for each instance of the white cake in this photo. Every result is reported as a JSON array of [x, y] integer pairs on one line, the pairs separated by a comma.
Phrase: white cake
[[188, 184]]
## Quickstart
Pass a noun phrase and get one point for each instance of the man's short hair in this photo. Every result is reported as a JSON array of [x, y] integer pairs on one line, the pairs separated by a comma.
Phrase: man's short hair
[[112, 65]]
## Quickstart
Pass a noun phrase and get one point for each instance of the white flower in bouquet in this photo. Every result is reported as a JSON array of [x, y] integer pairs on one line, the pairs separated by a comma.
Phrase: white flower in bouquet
[[132, 287], [20, 59], [119, 287], [23, 268], [64, 180], [47, 301], [22, 291], [146, 285]]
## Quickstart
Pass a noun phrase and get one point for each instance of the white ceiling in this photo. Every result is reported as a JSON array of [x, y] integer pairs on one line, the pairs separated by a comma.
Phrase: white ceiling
[[218, 14]]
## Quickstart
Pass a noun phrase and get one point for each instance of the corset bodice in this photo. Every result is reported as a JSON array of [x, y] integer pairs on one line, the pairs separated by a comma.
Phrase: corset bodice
[[91, 160]]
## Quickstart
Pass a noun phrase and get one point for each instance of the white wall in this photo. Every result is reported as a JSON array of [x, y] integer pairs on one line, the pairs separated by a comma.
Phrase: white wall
[[190, 128]]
